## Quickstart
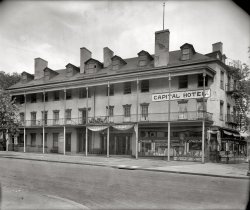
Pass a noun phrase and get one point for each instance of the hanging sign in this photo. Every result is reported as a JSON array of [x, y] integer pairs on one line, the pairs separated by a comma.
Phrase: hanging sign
[[181, 95], [123, 127]]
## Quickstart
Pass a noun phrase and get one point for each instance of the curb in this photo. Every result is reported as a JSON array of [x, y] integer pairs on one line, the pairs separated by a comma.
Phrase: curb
[[129, 168]]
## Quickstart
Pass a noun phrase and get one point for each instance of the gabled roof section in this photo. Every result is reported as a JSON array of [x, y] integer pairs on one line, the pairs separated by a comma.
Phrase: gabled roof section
[[73, 66], [143, 52], [94, 60], [187, 45], [116, 57]]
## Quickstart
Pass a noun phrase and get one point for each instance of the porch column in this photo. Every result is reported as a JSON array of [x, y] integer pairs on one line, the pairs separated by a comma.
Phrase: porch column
[[137, 119], [108, 142], [43, 119], [24, 139], [87, 116], [24, 130], [64, 124], [7, 141], [108, 121], [169, 109], [203, 121]]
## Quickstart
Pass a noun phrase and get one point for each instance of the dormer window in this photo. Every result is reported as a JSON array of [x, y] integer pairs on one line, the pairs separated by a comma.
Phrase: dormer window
[[71, 70], [187, 51], [144, 58], [117, 62], [92, 66], [185, 54], [26, 77]]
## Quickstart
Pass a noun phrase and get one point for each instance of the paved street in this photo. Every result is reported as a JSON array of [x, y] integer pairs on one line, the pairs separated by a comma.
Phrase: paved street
[[105, 188]]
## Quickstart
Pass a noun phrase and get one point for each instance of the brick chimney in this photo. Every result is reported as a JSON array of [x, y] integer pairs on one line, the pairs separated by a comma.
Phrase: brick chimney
[[218, 46], [85, 55], [107, 55], [161, 48], [40, 65]]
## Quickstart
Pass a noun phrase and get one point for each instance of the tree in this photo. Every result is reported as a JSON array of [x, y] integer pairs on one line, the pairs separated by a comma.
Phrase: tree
[[6, 79], [9, 122], [242, 95]]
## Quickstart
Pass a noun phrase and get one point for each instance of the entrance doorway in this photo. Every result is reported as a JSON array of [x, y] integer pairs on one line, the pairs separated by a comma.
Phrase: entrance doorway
[[120, 144], [68, 142]]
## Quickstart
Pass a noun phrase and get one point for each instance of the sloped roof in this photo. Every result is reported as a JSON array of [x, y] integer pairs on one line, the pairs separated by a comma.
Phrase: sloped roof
[[131, 65]]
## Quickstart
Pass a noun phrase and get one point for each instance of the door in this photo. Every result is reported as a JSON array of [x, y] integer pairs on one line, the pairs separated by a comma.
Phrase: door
[[68, 142], [83, 116]]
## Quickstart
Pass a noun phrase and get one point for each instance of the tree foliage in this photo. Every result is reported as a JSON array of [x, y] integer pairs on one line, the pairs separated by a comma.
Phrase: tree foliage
[[9, 121], [6, 79], [242, 95]]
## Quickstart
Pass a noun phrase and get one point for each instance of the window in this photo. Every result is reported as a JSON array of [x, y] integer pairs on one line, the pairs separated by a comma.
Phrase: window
[[45, 117], [68, 94], [144, 110], [68, 114], [83, 93], [33, 139], [111, 90], [183, 81], [144, 86], [222, 80], [56, 117], [46, 96], [56, 96], [200, 80], [200, 108], [185, 54], [55, 140], [110, 111], [142, 62], [221, 110], [33, 98], [127, 88], [127, 110], [33, 118], [21, 117], [182, 110], [21, 99]]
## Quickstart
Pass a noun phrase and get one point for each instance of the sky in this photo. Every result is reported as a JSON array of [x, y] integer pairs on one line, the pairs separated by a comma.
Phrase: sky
[[56, 30]]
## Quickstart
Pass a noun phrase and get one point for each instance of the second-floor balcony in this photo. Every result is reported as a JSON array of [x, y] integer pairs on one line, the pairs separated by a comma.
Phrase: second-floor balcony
[[231, 118], [231, 87], [133, 118]]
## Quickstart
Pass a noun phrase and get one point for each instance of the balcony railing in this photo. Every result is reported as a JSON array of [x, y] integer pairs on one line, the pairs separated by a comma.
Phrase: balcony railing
[[150, 117], [230, 118], [230, 87]]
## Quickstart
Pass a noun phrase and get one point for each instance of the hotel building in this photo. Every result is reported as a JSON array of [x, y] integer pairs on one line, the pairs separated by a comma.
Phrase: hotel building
[[170, 104]]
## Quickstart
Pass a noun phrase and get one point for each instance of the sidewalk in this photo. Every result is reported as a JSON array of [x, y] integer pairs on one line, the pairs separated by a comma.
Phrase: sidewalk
[[196, 168]]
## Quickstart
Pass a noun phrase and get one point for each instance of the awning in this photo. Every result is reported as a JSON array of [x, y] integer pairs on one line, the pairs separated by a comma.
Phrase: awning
[[96, 128], [123, 127], [228, 133]]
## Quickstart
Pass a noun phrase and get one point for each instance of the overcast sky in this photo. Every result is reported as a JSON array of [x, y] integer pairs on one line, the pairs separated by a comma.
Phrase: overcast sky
[[56, 30]]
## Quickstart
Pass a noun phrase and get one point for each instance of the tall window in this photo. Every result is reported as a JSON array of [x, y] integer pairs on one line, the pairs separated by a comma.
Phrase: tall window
[[221, 110], [222, 80], [68, 94], [183, 81], [144, 110], [56, 117], [111, 90], [33, 139], [33, 98], [55, 140], [33, 118], [200, 108], [127, 109], [144, 86], [45, 117], [68, 114], [56, 96], [182, 110], [22, 118], [21, 99], [127, 88], [110, 111], [83, 93], [200, 80]]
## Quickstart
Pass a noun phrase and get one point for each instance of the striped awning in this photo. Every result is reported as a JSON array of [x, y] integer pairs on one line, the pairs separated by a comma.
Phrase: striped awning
[[123, 127], [97, 128]]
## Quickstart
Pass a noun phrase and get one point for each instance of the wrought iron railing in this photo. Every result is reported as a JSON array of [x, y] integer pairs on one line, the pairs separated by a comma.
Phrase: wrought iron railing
[[97, 120]]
